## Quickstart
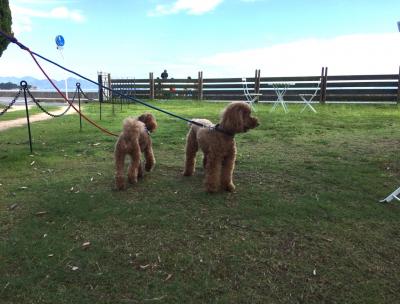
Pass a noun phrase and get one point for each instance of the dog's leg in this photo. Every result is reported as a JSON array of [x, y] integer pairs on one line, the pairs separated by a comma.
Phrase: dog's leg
[[140, 171], [119, 169], [213, 173], [149, 157], [191, 150], [135, 163], [228, 165], [204, 161]]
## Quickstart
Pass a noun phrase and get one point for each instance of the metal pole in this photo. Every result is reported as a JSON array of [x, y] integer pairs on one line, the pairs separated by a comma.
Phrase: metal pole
[[78, 90], [24, 85], [100, 82], [398, 82]]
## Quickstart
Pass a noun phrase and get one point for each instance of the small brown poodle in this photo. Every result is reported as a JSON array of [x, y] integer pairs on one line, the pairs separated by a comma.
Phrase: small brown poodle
[[218, 145], [134, 140]]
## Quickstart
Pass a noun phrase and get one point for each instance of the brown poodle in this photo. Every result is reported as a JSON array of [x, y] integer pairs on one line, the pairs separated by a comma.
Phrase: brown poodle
[[134, 140], [218, 145]]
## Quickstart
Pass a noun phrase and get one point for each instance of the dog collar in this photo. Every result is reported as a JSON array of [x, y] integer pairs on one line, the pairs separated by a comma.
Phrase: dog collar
[[218, 128]]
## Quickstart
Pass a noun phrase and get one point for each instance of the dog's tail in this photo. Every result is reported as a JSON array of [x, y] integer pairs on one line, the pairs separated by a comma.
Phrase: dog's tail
[[202, 122], [132, 127]]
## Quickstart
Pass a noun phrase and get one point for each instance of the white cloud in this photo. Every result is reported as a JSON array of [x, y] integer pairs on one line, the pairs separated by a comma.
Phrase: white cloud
[[351, 54], [22, 16], [191, 7]]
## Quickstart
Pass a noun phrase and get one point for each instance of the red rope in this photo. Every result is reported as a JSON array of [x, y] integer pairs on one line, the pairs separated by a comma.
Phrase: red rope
[[67, 100]]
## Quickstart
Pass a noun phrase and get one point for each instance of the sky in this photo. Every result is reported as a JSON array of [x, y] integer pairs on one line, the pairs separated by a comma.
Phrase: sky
[[222, 38]]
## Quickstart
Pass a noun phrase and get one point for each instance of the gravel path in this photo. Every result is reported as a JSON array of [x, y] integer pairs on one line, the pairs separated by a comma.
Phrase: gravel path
[[4, 125]]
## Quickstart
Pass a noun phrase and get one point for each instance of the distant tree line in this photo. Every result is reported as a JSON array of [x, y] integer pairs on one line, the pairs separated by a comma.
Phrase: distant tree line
[[10, 86]]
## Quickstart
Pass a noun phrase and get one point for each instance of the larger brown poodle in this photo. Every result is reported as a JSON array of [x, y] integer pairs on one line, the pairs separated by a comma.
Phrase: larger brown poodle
[[218, 145], [134, 140]]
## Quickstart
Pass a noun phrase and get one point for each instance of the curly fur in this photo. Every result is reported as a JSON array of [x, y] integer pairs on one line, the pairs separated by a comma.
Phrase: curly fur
[[133, 141], [219, 147]]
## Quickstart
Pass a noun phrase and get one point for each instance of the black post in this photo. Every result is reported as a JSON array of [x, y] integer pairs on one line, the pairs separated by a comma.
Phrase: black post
[[325, 83], [78, 90], [100, 82], [24, 85], [321, 89], [113, 109], [398, 81]]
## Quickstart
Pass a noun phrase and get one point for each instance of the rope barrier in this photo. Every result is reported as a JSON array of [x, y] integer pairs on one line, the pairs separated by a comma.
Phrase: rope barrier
[[44, 110], [33, 54], [84, 94], [104, 130]]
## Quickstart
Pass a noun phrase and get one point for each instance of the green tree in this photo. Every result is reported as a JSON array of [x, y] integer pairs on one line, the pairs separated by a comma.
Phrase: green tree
[[5, 23]]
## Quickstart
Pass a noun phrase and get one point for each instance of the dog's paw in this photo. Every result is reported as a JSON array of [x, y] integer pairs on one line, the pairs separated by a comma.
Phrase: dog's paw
[[132, 179], [188, 172], [211, 188], [119, 183], [149, 166], [140, 172], [230, 187]]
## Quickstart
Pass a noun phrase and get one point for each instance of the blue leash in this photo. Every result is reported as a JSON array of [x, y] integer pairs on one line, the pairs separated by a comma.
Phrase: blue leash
[[22, 46]]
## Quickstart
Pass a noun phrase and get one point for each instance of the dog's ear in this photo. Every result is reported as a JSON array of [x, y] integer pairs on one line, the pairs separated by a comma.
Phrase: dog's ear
[[232, 118], [149, 120]]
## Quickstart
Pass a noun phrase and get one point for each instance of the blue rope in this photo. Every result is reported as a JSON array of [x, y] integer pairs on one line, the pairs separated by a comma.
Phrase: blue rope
[[14, 40]]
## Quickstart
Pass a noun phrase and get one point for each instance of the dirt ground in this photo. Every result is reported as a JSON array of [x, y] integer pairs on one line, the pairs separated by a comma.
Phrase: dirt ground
[[4, 125]]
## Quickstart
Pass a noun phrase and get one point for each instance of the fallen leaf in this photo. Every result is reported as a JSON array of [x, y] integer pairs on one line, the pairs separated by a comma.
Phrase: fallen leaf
[[168, 277], [13, 206], [41, 213]]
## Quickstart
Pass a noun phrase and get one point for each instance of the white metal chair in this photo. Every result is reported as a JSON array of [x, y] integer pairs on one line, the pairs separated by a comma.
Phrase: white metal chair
[[250, 97], [307, 98], [393, 195]]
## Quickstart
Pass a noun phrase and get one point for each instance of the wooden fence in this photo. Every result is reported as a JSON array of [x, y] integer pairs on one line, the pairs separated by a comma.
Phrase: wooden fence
[[337, 88]]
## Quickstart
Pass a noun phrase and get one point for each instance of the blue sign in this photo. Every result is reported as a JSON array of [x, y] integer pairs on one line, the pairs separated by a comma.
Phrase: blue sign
[[60, 40]]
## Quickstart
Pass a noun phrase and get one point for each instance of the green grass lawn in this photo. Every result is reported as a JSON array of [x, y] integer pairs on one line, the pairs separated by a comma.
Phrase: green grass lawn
[[303, 226]]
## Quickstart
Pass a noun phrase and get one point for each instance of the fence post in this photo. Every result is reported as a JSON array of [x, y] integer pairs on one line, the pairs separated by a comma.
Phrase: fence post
[[110, 95], [100, 82], [321, 90], [325, 84], [151, 84], [257, 82], [324, 76], [200, 85], [78, 90], [24, 85], [398, 88]]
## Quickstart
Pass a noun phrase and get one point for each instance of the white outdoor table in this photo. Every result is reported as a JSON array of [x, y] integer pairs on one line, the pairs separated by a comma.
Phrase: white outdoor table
[[280, 89]]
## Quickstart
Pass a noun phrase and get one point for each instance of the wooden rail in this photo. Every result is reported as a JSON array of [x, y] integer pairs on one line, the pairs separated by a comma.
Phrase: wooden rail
[[335, 88]]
